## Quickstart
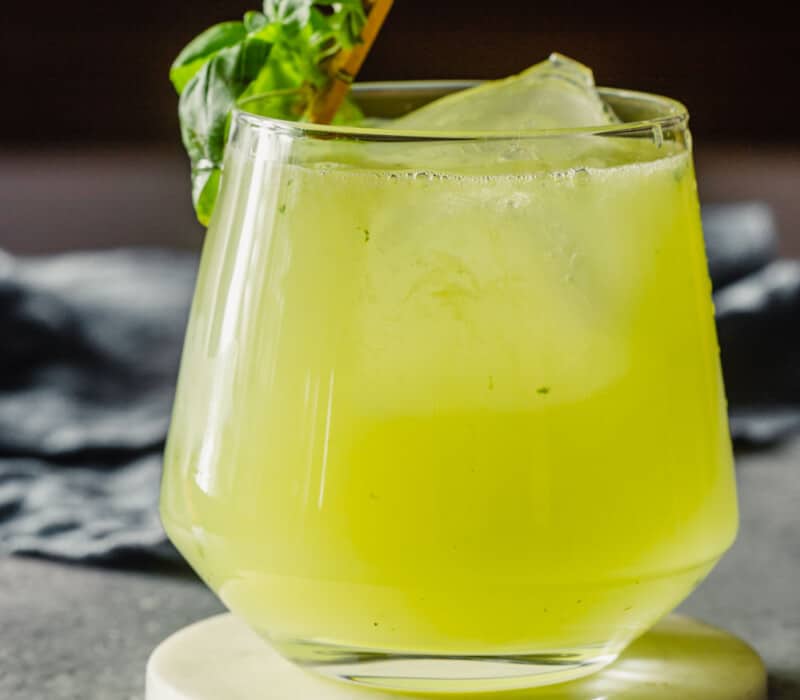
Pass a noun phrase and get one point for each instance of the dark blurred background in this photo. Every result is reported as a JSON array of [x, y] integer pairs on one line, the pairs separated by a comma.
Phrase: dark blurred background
[[89, 142]]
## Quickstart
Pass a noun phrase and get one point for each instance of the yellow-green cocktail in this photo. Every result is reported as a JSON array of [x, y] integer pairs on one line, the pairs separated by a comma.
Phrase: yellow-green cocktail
[[465, 410]]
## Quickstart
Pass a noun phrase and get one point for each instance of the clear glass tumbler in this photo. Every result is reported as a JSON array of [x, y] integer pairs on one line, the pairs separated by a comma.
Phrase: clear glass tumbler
[[450, 414]]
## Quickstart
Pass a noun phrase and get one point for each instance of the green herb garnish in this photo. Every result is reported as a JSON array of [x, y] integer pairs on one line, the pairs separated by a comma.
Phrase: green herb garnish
[[283, 48]]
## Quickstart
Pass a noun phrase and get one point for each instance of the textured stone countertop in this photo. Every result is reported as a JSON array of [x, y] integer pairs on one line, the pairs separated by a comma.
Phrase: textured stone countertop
[[75, 633]]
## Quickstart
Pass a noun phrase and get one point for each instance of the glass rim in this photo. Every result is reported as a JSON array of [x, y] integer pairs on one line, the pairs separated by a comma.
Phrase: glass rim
[[674, 115]]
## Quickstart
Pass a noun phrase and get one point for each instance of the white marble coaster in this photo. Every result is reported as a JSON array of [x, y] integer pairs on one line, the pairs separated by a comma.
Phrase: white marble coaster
[[679, 659]]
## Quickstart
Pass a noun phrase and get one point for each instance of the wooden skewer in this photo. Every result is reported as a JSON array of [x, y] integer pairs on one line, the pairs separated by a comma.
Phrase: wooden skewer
[[344, 66]]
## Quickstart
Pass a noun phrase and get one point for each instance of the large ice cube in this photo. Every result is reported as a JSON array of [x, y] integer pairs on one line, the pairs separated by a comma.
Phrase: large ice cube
[[554, 94], [558, 93]]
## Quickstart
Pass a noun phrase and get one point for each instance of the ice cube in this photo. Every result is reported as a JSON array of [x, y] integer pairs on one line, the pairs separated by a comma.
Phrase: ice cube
[[558, 93], [554, 94]]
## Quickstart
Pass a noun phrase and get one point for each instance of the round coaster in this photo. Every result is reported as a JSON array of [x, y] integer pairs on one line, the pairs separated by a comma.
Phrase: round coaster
[[680, 658]]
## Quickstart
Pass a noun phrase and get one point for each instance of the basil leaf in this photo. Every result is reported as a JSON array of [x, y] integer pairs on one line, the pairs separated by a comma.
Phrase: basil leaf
[[346, 21], [202, 48], [291, 14], [255, 21], [205, 188], [280, 51], [205, 107]]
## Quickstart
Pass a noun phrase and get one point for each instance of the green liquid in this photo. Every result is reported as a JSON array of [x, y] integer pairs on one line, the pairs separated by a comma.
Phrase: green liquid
[[452, 413]]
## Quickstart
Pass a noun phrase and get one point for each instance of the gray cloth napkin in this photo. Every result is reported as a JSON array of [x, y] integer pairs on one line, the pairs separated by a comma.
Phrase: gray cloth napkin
[[88, 361]]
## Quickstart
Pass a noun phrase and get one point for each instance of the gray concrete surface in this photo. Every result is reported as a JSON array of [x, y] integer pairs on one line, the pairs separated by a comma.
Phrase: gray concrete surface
[[73, 633]]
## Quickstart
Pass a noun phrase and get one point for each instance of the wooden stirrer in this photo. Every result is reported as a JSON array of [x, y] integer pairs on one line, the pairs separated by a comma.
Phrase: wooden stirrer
[[344, 66]]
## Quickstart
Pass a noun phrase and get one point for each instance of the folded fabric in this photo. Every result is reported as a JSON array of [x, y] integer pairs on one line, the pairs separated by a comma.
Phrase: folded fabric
[[98, 512], [757, 301], [90, 350], [759, 334], [740, 238], [88, 362], [89, 357]]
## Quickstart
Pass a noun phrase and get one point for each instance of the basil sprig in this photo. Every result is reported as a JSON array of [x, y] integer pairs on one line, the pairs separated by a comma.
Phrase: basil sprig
[[280, 48]]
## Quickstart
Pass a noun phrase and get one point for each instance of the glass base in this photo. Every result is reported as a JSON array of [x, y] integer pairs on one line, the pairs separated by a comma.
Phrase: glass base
[[412, 672], [223, 659]]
